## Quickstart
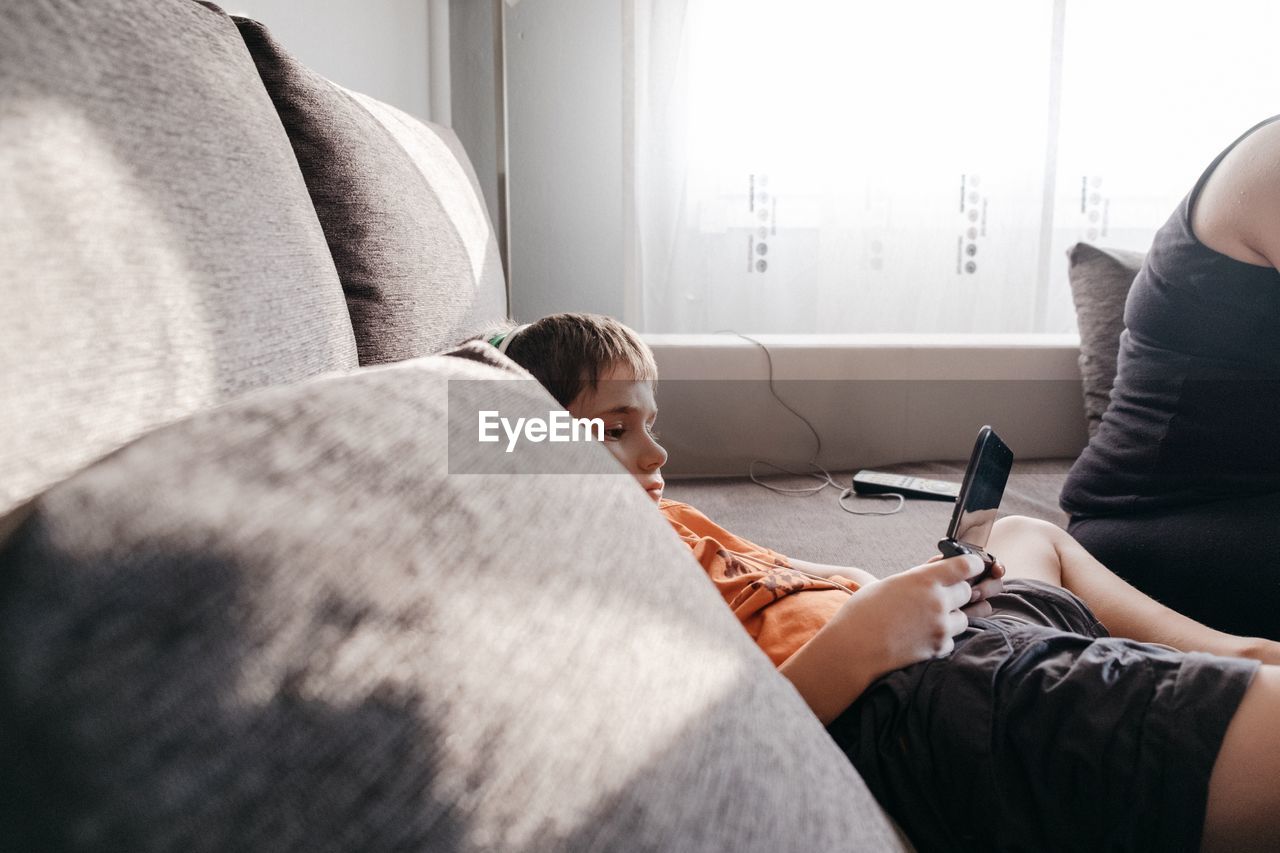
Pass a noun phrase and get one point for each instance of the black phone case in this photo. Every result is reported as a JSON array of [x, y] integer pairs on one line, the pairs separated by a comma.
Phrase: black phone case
[[952, 548], [949, 546]]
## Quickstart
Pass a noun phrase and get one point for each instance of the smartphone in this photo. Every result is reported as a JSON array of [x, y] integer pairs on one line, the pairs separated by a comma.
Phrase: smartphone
[[979, 500]]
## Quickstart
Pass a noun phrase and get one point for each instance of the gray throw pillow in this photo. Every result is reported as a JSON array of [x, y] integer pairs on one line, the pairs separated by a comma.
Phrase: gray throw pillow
[[1100, 281], [400, 207], [297, 623]]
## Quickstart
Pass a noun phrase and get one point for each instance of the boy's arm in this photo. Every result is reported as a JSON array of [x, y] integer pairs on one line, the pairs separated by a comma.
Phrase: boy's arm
[[905, 618], [829, 675], [823, 570]]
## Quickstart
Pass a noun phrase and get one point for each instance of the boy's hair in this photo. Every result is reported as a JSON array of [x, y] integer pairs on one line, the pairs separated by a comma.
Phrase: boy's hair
[[569, 353]]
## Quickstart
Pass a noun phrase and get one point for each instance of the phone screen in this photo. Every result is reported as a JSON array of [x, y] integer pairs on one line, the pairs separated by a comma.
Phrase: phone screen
[[981, 491]]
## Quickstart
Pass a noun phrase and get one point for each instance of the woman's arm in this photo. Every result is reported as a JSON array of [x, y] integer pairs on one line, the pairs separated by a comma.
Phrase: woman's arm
[[895, 622]]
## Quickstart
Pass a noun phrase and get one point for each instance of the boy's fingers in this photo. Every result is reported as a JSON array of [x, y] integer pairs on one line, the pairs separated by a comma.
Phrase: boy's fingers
[[954, 569], [978, 611], [958, 595], [988, 587]]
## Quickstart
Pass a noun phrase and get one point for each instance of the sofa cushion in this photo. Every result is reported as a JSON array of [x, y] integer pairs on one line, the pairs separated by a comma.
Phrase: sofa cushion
[[400, 206], [158, 250], [1100, 280], [283, 624]]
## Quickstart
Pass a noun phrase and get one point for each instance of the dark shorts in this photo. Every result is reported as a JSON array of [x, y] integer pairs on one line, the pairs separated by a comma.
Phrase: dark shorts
[[1041, 732]]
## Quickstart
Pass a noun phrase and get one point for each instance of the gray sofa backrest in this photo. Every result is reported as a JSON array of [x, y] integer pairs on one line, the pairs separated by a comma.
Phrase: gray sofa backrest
[[174, 233], [159, 253]]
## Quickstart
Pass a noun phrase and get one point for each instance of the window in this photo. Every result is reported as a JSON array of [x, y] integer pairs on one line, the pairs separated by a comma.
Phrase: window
[[820, 167]]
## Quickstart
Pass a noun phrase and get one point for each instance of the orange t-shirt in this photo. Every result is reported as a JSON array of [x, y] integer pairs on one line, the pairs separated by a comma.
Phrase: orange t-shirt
[[780, 607]]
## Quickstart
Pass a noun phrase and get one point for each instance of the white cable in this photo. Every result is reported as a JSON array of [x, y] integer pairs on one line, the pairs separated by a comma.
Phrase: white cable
[[812, 490], [847, 492], [825, 478]]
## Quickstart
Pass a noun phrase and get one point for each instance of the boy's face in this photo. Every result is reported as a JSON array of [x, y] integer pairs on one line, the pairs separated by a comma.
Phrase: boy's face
[[627, 407]]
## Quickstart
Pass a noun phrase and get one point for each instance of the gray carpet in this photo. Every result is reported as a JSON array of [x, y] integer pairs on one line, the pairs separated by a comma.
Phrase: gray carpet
[[815, 528]]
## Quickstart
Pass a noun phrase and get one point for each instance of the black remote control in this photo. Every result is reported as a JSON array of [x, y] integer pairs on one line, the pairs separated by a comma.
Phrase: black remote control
[[879, 482]]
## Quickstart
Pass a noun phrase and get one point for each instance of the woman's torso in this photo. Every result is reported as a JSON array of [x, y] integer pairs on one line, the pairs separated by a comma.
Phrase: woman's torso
[[1195, 409]]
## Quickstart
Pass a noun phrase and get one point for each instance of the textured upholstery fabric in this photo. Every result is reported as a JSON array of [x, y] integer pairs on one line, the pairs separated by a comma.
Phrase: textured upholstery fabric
[[400, 207], [1100, 280], [280, 625], [158, 250]]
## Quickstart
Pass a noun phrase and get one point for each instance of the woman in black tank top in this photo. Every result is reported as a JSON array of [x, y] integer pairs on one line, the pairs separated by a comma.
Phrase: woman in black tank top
[[1179, 489]]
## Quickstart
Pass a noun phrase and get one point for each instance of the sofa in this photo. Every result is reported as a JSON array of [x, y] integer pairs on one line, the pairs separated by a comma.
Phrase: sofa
[[256, 592]]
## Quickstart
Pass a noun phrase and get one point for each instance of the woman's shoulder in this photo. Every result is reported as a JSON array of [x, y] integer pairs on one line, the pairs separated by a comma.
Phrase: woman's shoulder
[[1237, 210]]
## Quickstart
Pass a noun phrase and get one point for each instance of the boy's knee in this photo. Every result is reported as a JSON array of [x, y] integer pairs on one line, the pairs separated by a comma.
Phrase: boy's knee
[[1022, 526], [1028, 548]]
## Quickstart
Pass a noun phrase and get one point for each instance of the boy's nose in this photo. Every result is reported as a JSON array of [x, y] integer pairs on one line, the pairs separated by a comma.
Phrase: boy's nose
[[655, 456]]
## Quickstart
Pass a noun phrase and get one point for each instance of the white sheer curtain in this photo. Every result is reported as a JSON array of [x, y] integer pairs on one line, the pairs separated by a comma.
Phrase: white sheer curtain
[[811, 166]]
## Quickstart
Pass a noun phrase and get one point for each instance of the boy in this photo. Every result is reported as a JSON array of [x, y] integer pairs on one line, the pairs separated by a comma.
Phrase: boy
[[985, 717]]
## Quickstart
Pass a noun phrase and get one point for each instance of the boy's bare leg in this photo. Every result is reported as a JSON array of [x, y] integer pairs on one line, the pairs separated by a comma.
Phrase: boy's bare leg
[[1243, 811], [1030, 548]]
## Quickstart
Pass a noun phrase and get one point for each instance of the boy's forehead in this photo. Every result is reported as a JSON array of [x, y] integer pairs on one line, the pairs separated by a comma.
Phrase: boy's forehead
[[617, 389]]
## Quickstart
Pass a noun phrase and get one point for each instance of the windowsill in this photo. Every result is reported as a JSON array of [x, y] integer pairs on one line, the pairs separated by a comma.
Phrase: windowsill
[[874, 340], [874, 399], [879, 356]]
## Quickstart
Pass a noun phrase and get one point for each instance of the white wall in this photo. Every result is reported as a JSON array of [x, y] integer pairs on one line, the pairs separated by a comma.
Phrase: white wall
[[474, 85], [564, 126], [377, 47]]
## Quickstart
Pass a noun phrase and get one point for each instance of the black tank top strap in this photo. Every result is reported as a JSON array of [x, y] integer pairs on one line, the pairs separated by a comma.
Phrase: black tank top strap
[[1204, 176]]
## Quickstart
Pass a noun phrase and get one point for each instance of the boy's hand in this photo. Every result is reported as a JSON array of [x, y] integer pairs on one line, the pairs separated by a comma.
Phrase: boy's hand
[[914, 615], [991, 584], [892, 623]]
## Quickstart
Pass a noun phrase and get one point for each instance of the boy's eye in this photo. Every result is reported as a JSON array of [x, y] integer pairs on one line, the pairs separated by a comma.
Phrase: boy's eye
[[614, 433]]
